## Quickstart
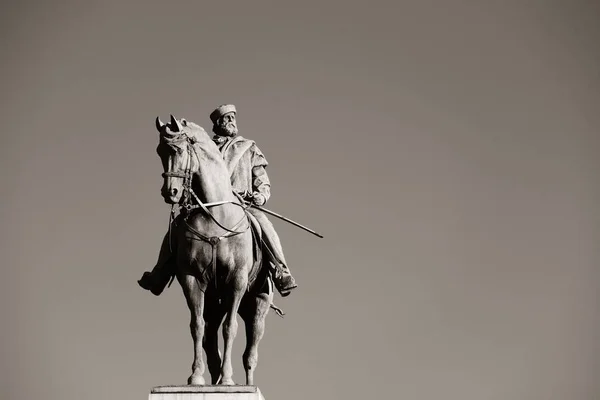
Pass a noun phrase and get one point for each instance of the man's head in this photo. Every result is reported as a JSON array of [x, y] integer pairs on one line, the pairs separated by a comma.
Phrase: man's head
[[224, 120]]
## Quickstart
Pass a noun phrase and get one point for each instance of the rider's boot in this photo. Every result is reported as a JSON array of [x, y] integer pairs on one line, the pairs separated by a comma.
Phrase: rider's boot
[[282, 277], [156, 280]]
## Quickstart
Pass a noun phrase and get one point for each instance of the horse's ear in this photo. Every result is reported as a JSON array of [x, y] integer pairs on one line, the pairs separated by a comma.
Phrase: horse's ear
[[159, 125], [176, 126]]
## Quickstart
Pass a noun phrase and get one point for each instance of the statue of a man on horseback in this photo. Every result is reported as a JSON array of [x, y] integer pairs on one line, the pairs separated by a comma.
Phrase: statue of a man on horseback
[[221, 248], [247, 168]]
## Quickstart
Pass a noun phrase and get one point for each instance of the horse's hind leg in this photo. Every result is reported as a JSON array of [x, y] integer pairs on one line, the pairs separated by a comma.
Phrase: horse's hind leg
[[213, 316], [254, 312], [195, 300], [237, 289]]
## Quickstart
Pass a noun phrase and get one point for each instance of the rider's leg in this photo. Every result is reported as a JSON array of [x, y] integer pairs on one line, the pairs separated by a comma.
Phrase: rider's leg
[[282, 276]]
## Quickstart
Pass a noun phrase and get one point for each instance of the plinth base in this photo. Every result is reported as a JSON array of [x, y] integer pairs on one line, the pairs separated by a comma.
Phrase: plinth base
[[207, 392]]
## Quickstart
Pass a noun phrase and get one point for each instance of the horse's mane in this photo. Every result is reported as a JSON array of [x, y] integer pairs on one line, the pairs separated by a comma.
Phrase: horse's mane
[[174, 138], [197, 132]]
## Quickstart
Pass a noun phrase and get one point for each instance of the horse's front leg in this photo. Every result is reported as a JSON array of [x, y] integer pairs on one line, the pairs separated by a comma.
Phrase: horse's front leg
[[238, 288], [195, 300], [213, 316], [254, 311]]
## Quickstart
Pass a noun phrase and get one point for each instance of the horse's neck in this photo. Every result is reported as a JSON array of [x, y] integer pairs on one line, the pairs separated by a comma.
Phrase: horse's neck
[[212, 184]]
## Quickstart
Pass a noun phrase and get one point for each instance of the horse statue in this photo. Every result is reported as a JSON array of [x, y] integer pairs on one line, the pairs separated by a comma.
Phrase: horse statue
[[217, 250]]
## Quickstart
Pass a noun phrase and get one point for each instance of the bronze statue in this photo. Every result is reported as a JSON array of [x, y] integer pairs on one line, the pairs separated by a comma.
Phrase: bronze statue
[[221, 247], [217, 251], [247, 168]]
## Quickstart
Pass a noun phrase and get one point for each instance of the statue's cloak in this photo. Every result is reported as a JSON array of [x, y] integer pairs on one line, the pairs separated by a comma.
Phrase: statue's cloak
[[245, 162]]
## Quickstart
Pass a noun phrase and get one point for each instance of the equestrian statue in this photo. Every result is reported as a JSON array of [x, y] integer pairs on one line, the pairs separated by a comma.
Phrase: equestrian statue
[[221, 247]]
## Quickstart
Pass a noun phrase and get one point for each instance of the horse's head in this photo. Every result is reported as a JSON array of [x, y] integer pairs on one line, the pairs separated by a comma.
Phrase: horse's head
[[179, 142]]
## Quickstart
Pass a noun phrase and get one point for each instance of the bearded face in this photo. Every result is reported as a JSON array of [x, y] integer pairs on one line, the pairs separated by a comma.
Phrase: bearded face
[[226, 125]]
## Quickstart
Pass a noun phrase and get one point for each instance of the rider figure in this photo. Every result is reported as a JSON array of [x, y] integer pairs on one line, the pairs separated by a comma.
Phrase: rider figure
[[247, 166]]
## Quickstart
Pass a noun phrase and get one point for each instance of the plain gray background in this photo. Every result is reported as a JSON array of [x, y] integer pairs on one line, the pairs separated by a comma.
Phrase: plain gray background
[[448, 151]]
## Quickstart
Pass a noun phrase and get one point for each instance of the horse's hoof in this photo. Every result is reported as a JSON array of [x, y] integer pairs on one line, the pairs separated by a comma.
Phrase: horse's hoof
[[227, 382], [196, 380]]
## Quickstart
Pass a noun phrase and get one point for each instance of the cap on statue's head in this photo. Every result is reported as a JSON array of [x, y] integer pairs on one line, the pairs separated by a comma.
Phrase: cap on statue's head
[[220, 111]]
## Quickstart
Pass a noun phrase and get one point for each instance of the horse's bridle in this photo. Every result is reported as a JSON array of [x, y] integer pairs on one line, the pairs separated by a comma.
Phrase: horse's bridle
[[189, 195]]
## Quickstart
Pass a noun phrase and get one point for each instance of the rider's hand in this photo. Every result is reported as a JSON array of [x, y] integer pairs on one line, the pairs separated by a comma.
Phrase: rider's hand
[[258, 198], [245, 195]]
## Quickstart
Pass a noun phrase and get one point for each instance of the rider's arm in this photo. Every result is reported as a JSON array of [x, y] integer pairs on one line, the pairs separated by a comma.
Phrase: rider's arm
[[260, 179], [260, 182]]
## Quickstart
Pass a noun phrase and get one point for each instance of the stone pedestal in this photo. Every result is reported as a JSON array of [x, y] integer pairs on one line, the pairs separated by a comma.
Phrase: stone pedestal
[[208, 392]]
